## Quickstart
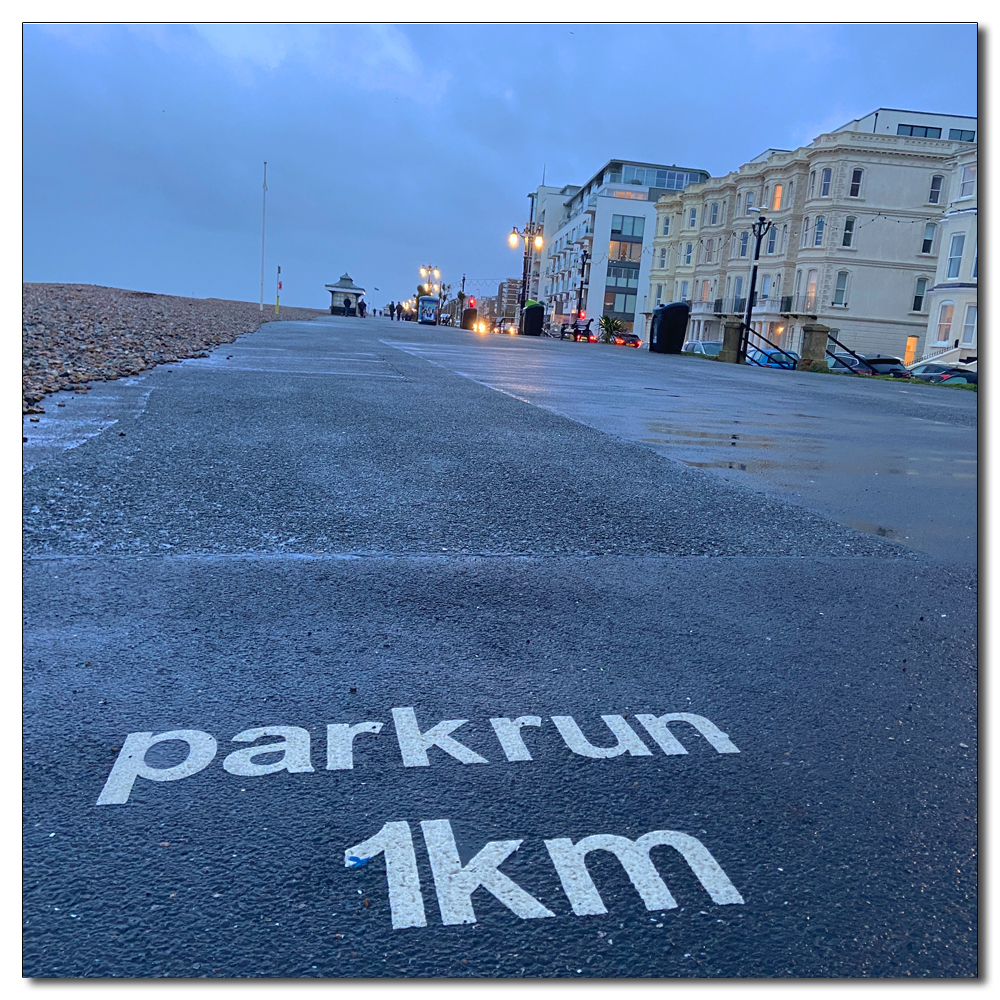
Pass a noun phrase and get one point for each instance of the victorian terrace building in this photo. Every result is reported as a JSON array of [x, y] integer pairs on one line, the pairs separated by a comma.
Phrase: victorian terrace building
[[854, 237]]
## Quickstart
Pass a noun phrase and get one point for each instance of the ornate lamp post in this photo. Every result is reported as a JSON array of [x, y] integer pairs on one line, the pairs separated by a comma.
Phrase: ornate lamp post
[[532, 236], [760, 229]]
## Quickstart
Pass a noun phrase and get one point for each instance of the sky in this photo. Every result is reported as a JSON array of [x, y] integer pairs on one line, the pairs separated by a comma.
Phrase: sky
[[389, 147]]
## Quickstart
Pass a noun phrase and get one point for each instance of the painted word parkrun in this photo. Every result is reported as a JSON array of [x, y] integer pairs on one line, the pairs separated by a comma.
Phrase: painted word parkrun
[[296, 752], [455, 883]]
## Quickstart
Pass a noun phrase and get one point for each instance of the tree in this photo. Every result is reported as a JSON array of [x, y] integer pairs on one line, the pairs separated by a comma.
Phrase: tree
[[609, 327]]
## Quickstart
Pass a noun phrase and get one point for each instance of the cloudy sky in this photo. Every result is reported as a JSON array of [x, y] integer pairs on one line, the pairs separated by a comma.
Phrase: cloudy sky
[[388, 147]]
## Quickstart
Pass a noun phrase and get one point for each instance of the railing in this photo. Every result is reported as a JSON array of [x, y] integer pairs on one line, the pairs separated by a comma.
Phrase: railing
[[799, 303]]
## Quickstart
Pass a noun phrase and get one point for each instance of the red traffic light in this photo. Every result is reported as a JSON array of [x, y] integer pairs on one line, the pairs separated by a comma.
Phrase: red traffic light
[[472, 302]]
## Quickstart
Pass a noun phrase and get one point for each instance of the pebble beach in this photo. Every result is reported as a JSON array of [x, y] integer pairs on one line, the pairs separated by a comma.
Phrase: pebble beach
[[76, 334]]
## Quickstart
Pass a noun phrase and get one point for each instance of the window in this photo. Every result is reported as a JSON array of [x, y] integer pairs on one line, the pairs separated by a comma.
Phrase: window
[[738, 197], [666, 225], [776, 202], [919, 294], [715, 212], [738, 306], [805, 232], [765, 286], [704, 291], [840, 292], [709, 251], [920, 131], [848, 240], [812, 183], [619, 250], [659, 294], [684, 291], [627, 225], [663, 256], [772, 235], [856, 176], [784, 237], [945, 314], [811, 280], [961, 135], [687, 253], [955, 254], [692, 218], [968, 181], [749, 202], [824, 183], [818, 231], [928, 244], [934, 195], [975, 263], [623, 303], [969, 328], [744, 243]]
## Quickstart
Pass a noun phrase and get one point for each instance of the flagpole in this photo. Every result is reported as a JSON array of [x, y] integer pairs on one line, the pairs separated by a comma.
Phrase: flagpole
[[263, 218]]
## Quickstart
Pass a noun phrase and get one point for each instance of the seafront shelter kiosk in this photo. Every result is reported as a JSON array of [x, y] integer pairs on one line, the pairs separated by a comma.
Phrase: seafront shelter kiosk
[[344, 297]]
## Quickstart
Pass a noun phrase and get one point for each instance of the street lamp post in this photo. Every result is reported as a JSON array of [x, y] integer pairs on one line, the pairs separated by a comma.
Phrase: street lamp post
[[760, 229], [579, 293], [532, 236]]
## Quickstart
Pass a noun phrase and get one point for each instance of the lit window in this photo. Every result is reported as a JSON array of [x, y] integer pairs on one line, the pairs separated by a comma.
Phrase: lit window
[[945, 314], [934, 196], [704, 291], [918, 295], [856, 183], [968, 181], [824, 184], [928, 244], [776, 203], [969, 328], [848, 240], [818, 231], [744, 243], [961, 135], [715, 212], [840, 292], [955, 254]]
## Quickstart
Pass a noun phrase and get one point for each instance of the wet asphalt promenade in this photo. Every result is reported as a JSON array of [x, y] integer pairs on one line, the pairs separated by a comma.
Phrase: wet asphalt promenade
[[487, 657]]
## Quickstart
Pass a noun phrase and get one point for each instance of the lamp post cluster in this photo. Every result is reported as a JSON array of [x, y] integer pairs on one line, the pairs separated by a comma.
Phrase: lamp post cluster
[[532, 237], [429, 287]]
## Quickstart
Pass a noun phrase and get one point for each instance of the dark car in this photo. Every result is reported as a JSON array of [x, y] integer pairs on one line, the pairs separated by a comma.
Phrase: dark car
[[708, 348], [771, 358], [628, 339], [870, 364], [952, 374]]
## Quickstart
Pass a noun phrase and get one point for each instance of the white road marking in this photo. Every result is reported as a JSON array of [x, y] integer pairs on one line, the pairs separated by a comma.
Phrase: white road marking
[[294, 747], [509, 734], [395, 841], [131, 762], [578, 743], [340, 742], [571, 867], [455, 883], [413, 744], [657, 728]]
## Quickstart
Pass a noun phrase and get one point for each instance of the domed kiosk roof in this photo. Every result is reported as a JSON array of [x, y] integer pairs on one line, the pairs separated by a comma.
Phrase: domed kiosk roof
[[346, 284]]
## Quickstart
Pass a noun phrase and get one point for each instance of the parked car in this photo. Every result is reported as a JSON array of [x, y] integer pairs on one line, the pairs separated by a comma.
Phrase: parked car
[[772, 358], [709, 348], [583, 335], [870, 364], [929, 371], [628, 339]]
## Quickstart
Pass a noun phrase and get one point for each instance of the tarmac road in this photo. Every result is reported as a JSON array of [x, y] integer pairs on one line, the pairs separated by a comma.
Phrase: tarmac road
[[315, 533]]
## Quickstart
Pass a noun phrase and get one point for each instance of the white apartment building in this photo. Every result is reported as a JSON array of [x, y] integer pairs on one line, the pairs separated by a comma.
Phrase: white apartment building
[[953, 297], [612, 217], [854, 241]]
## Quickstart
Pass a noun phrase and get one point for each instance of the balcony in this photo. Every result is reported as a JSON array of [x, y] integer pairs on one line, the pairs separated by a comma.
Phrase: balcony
[[795, 305]]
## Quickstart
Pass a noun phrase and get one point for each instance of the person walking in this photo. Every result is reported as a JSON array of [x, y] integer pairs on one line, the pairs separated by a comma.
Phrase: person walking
[[392, 309], [399, 310]]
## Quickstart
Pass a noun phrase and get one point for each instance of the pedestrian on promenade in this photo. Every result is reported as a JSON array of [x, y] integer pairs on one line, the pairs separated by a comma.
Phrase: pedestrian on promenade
[[399, 310], [392, 309]]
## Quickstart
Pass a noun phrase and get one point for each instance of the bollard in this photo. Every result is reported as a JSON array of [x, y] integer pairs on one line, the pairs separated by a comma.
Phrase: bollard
[[815, 337], [730, 341]]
